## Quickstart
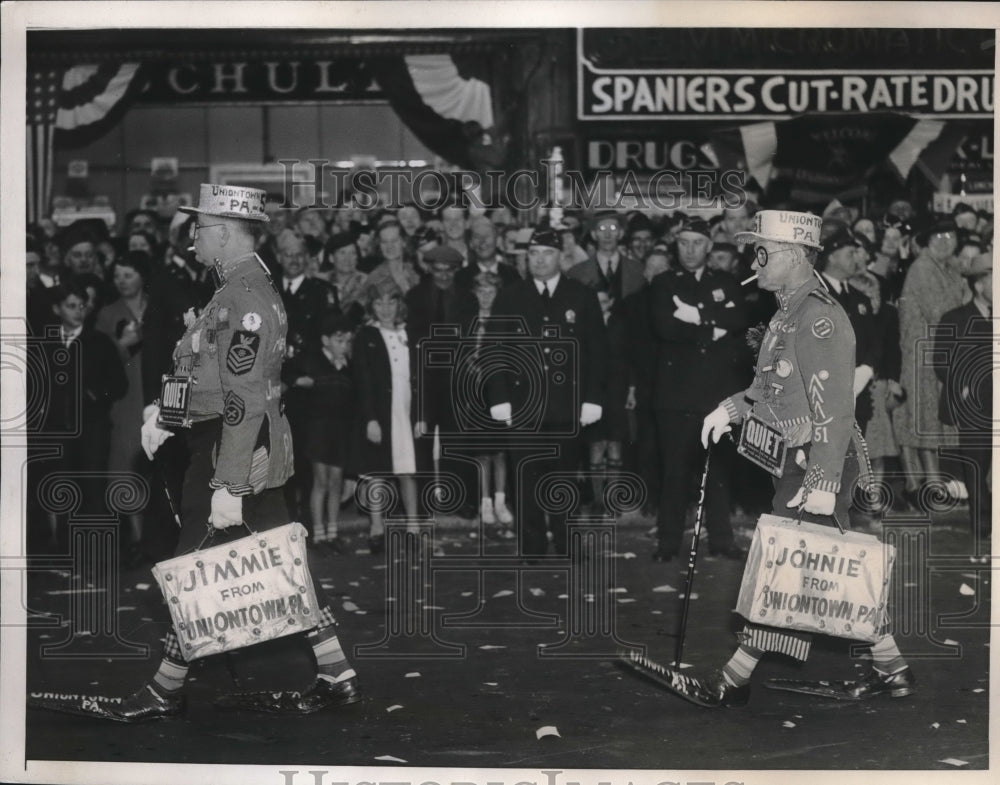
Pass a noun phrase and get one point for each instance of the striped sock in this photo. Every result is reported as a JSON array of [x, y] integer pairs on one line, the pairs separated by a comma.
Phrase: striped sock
[[886, 656], [740, 667], [331, 662], [169, 677]]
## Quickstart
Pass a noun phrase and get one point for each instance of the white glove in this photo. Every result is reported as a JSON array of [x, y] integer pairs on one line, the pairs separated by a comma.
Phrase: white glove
[[686, 313], [227, 510], [152, 435], [374, 432], [502, 412], [714, 425], [862, 375], [590, 413], [817, 502]]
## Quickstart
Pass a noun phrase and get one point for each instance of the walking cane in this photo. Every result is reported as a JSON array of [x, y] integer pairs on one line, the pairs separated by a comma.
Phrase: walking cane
[[692, 560], [166, 492]]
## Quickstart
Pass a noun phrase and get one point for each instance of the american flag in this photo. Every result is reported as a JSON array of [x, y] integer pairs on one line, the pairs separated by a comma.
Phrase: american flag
[[42, 97]]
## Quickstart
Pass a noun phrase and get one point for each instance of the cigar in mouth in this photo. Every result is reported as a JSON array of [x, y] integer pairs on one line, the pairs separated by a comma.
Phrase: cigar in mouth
[[751, 279], [191, 248]]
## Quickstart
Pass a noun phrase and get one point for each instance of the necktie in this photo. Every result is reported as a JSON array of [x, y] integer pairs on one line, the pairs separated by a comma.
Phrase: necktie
[[440, 315], [546, 297]]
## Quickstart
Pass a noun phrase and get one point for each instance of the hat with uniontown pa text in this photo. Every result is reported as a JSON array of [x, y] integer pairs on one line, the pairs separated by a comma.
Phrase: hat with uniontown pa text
[[784, 226], [230, 201], [547, 236]]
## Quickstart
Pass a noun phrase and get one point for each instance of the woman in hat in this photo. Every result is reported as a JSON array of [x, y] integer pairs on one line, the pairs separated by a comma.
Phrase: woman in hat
[[340, 264], [933, 285], [122, 322], [385, 371]]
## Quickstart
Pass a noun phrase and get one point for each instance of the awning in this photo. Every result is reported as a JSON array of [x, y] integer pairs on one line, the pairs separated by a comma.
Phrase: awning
[[66, 48]]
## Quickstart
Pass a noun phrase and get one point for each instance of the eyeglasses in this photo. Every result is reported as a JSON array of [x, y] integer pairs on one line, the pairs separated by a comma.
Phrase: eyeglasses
[[195, 228], [762, 254]]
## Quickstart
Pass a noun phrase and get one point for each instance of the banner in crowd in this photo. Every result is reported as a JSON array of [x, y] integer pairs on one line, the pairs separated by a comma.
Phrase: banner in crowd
[[769, 74], [823, 157]]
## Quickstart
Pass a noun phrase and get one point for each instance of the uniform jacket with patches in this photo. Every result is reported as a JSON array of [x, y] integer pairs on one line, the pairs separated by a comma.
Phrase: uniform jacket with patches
[[233, 353], [804, 380]]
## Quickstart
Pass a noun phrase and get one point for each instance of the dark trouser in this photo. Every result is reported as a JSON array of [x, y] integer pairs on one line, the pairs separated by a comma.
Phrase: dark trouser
[[261, 511], [682, 459], [647, 453], [534, 498], [978, 457], [299, 486]]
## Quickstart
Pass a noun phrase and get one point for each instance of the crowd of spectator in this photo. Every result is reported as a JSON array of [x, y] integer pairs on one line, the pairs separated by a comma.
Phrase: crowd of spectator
[[362, 289]]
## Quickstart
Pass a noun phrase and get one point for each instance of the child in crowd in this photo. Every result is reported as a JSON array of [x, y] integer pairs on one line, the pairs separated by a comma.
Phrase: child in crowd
[[496, 517], [385, 372], [330, 405]]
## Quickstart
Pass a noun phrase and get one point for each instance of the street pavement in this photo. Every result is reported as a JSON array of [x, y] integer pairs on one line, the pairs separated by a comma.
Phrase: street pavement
[[467, 656]]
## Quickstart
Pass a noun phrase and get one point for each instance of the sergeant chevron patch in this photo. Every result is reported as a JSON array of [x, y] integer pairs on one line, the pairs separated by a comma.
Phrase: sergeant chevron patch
[[242, 352]]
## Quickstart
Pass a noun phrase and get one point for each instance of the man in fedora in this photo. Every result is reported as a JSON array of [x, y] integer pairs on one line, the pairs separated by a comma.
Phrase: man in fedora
[[803, 388], [610, 268], [229, 359]]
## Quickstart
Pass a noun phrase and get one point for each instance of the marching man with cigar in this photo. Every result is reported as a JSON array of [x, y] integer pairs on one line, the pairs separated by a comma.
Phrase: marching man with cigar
[[224, 396], [802, 395]]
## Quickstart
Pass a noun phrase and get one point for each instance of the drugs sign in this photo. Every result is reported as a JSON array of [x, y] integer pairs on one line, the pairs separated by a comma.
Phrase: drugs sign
[[233, 595], [803, 576]]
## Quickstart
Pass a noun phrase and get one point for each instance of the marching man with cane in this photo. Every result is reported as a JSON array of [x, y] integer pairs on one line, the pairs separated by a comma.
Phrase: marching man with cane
[[802, 394], [224, 396]]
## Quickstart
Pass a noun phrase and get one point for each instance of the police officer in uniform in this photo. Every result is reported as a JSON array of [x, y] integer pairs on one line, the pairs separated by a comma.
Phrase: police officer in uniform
[[699, 321], [803, 388], [240, 447], [564, 316]]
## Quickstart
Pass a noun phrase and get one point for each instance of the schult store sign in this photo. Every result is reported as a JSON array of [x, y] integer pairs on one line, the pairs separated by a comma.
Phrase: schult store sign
[[607, 90]]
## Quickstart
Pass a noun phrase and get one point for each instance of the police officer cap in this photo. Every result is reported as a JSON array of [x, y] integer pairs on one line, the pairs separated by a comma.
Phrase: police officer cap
[[546, 236], [696, 226], [841, 238], [443, 254]]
